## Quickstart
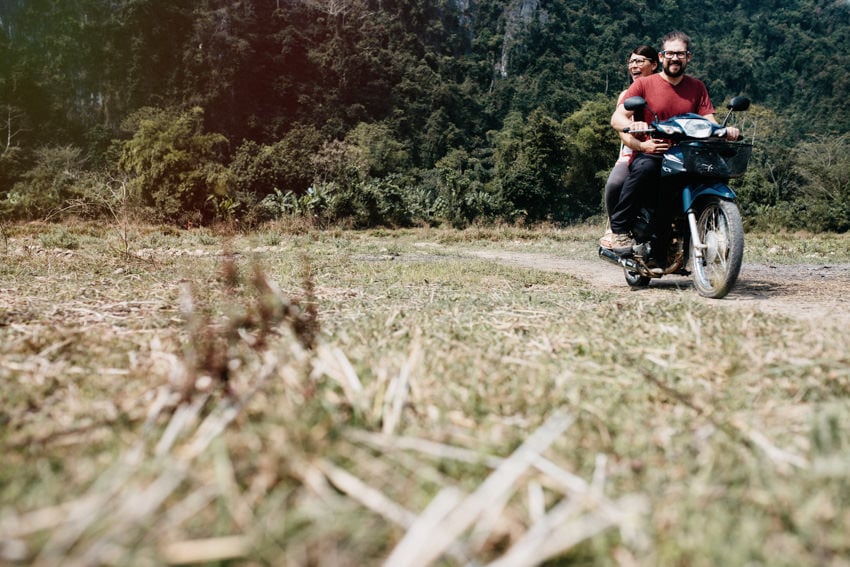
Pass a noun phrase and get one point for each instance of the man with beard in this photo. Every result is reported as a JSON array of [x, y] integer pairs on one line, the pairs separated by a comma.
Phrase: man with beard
[[668, 94]]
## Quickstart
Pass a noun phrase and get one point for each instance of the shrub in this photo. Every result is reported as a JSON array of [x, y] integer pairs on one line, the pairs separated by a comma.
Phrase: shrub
[[462, 194], [14, 162], [285, 166], [48, 186], [59, 237], [175, 167], [279, 204]]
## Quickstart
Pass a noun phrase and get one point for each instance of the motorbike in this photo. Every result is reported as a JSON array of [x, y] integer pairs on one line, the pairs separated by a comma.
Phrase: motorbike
[[705, 237]]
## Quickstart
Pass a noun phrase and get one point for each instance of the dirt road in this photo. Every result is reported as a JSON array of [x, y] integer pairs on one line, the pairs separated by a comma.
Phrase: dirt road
[[814, 292]]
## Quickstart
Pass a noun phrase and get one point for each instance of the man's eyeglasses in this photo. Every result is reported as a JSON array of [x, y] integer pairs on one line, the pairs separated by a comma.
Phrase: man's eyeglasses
[[638, 60], [675, 54]]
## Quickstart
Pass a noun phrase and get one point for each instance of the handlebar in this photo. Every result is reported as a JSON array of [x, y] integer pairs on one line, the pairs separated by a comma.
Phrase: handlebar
[[628, 130]]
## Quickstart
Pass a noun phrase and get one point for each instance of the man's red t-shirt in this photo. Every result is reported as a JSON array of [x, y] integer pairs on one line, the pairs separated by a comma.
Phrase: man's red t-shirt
[[667, 100]]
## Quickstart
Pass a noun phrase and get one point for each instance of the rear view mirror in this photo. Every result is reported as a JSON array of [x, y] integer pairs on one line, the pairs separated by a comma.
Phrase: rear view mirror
[[738, 103], [635, 103]]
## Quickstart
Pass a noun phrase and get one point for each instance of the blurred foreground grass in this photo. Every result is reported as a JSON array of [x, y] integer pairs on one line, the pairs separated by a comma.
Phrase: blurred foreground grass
[[356, 398]]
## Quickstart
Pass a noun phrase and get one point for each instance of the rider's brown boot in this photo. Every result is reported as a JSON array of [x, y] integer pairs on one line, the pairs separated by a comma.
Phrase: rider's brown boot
[[621, 244]]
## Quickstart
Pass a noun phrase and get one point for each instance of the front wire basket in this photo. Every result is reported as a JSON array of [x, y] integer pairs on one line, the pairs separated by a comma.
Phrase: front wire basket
[[716, 159]]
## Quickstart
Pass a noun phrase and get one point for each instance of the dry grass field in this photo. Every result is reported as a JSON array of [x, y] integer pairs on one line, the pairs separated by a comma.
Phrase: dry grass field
[[421, 397]]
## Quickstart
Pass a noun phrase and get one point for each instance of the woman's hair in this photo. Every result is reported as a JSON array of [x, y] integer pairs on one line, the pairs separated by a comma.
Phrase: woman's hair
[[648, 52]]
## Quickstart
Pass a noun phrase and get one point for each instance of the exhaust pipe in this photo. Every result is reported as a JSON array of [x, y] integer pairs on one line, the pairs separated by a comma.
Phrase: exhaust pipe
[[614, 258]]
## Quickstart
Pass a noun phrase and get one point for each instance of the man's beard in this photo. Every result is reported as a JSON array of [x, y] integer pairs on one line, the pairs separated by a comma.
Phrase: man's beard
[[677, 73]]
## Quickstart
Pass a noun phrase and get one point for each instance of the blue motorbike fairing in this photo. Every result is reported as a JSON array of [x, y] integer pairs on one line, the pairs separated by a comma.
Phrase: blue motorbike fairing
[[673, 162], [690, 193]]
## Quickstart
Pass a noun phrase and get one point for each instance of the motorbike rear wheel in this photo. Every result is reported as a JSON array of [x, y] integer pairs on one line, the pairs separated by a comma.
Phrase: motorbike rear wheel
[[721, 229]]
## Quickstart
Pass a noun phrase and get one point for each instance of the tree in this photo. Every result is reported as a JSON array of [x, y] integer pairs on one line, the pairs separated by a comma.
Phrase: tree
[[531, 167], [413, 82], [176, 167], [383, 153], [823, 166], [767, 186], [593, 145], [463, 193]]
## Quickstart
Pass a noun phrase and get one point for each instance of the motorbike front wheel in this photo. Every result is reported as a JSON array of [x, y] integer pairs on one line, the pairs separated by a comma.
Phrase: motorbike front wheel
[[720, 228]]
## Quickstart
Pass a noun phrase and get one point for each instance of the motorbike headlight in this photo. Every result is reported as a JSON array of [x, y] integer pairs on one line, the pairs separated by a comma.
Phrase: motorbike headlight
[[698, 128]]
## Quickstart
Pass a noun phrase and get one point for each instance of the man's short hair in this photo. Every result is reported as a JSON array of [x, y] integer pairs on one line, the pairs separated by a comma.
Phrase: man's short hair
[[677, 35]]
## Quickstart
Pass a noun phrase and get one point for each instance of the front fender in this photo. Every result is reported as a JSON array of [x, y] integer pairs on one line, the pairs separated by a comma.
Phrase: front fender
[[691, 193]]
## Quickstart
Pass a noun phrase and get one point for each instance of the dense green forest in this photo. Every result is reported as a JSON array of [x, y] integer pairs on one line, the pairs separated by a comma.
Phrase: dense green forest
[[395, 112]]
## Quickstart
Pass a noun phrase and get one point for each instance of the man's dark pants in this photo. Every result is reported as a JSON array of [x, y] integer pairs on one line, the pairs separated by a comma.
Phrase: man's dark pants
[[644, 187], [640, 189]]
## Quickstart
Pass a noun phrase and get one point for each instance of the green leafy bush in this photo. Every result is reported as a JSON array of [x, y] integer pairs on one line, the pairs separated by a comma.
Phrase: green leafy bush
[[387, 198], [14, 162], [175, 167], [48, 185], [463, 193], [279, 204], [285, 166], [355, 179]]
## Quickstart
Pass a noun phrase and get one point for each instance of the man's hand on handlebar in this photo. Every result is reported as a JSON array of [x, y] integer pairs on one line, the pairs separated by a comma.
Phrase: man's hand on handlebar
[[648, 145], [653, 146], [732, 133], [640, 127]]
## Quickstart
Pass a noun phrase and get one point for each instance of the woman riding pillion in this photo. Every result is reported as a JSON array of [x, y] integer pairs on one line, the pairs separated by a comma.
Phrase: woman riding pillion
[[642, 62]]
